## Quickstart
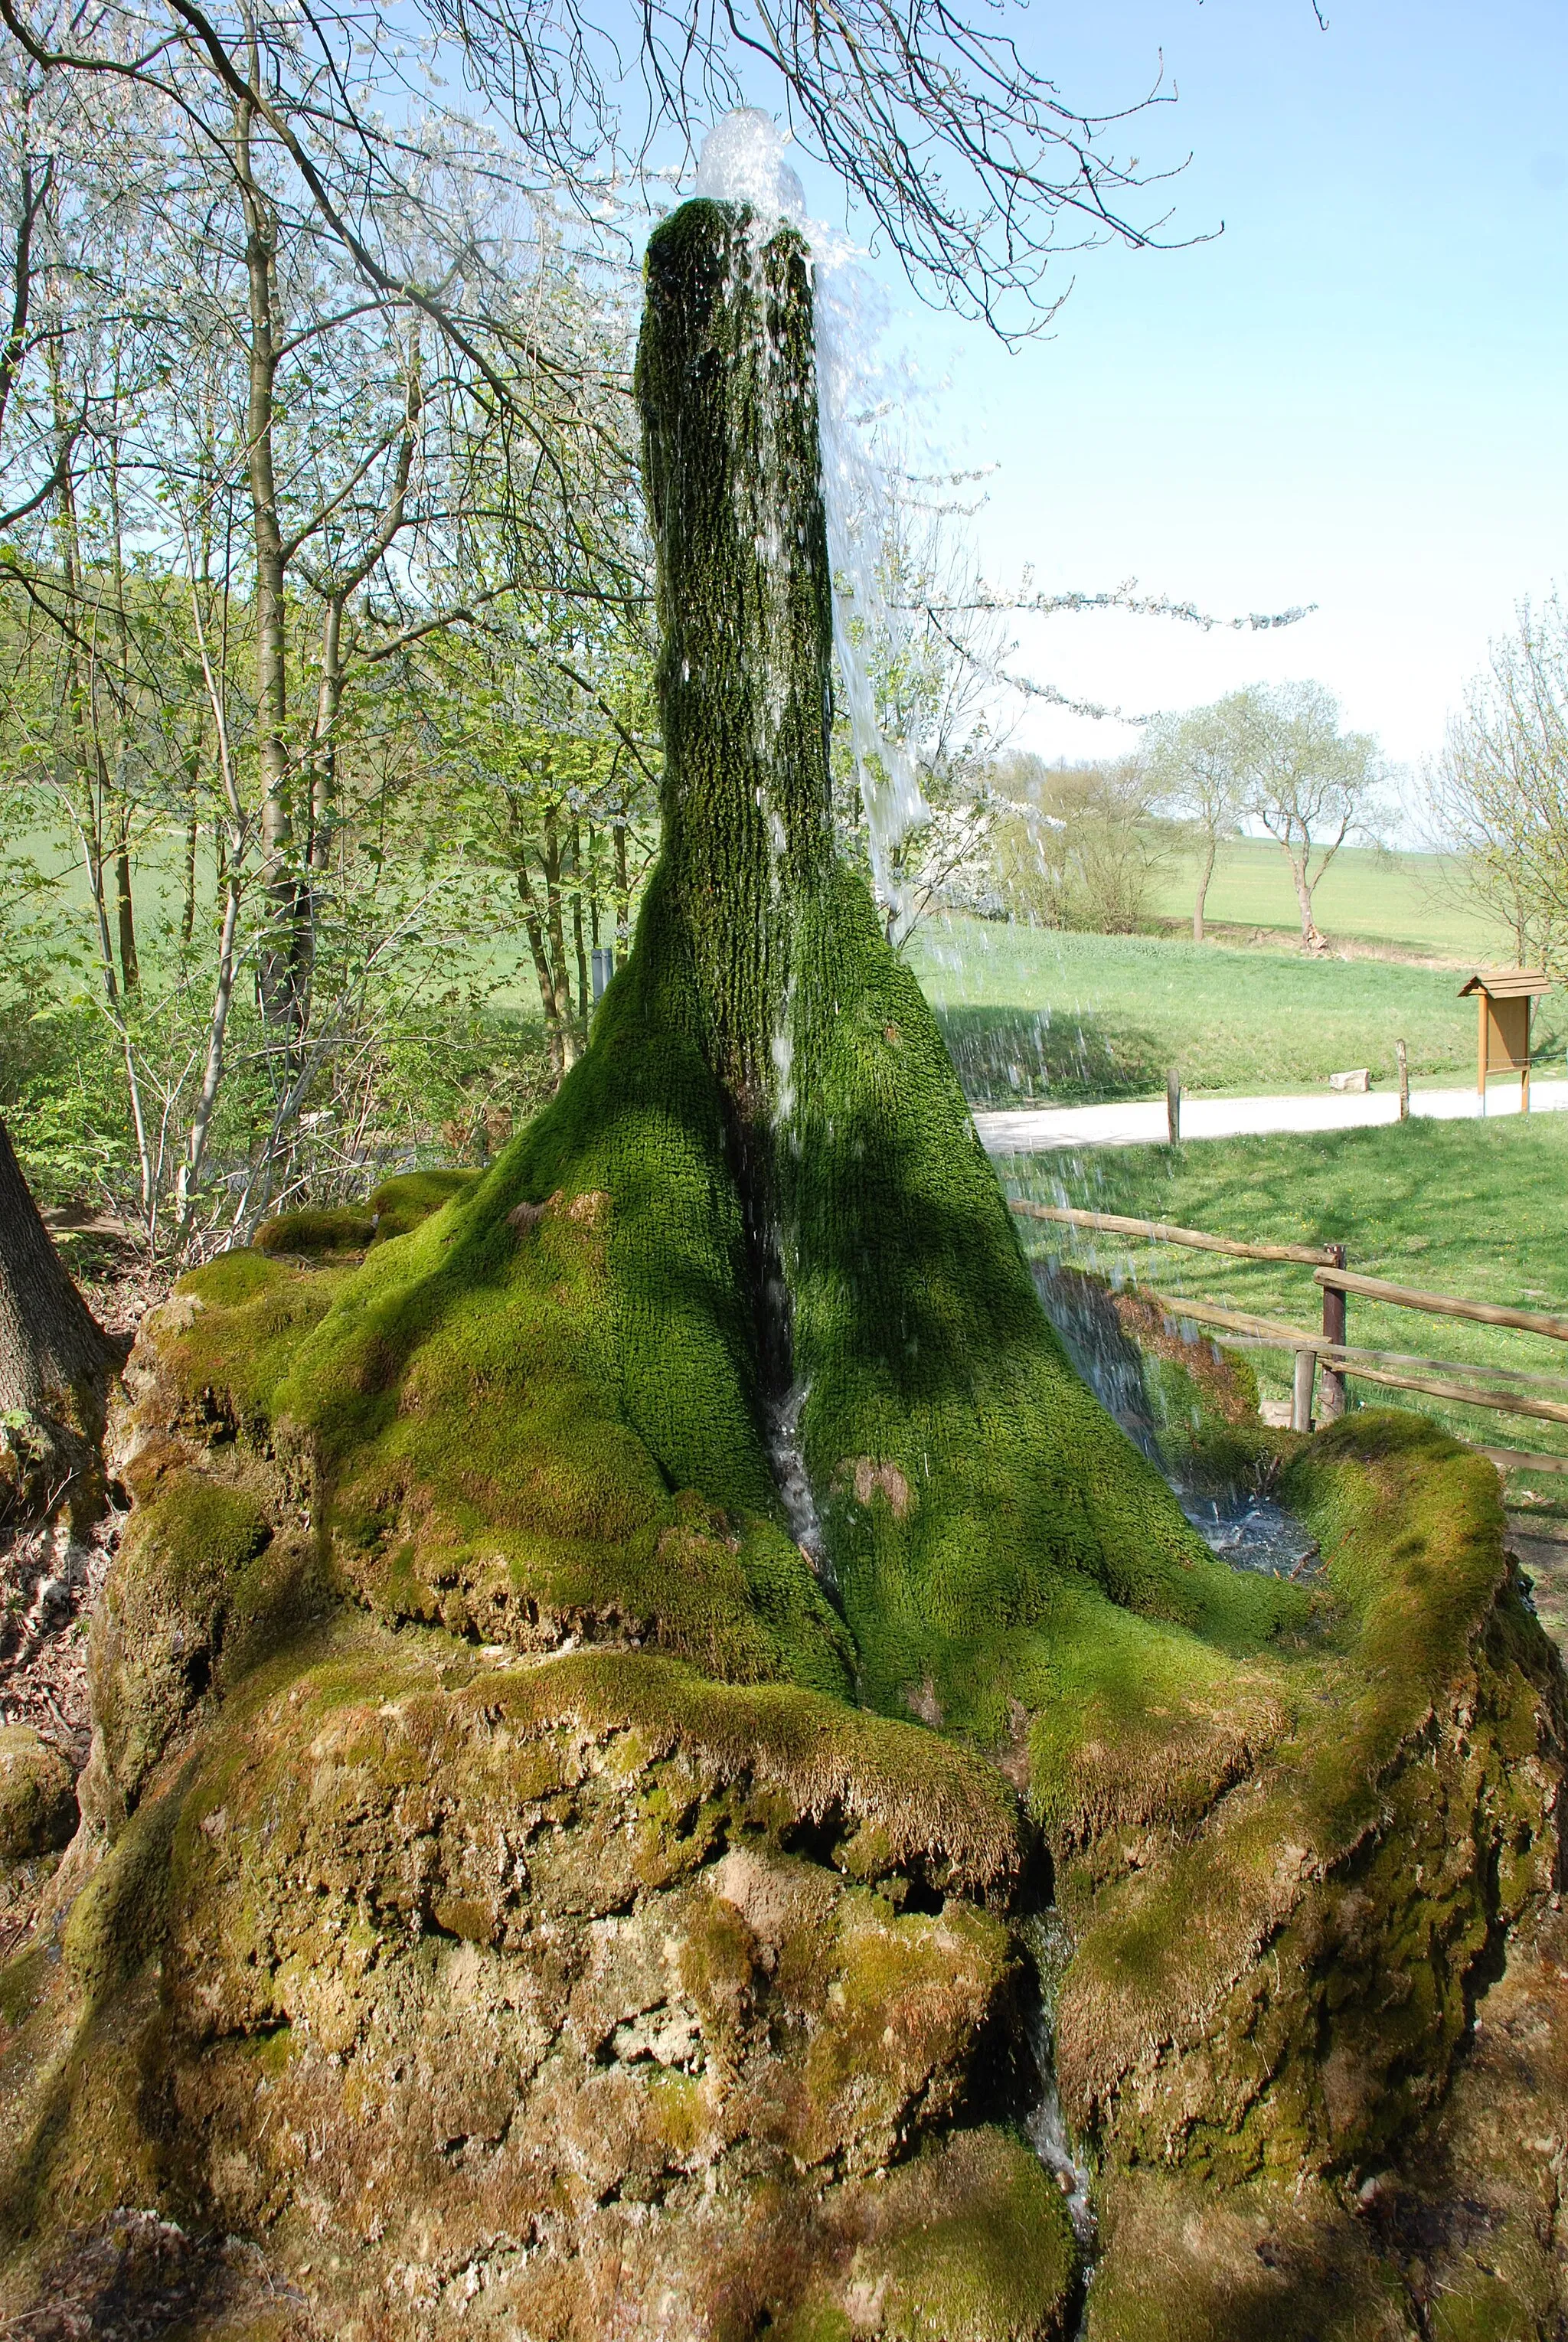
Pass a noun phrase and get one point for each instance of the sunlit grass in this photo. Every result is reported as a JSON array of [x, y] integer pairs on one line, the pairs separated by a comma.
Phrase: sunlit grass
[[1411, 901], [1467, 1208], [1035, 1015]]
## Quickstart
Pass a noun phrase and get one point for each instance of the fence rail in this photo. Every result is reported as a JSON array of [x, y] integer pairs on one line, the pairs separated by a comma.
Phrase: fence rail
[[1158, 1231], [1505, 1390], [1444, 1305], [1273, 1333]]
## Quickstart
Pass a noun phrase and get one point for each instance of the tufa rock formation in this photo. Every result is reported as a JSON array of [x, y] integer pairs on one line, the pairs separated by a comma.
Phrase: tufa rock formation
[[543, 1874]]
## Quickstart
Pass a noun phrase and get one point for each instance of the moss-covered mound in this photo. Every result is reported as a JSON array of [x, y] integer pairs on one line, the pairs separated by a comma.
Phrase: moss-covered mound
[[37, 1796], [335, 1230], [515, 1886]]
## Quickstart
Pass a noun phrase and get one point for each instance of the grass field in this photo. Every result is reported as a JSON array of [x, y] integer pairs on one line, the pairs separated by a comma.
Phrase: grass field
[[1468, 1209], [1037, 1015], [1408, 901]]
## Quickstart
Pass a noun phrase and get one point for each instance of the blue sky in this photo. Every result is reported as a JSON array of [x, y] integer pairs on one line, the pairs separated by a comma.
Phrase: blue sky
[[1352, 397]]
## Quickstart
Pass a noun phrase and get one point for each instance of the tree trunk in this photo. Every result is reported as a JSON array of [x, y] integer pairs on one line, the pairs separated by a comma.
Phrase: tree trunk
[[281, 974], [125, 915], [623, 890], [54, 1358], [1311, 939], [188, 911], [534, 927], [726, 377], [1205, 872], [578, 944]]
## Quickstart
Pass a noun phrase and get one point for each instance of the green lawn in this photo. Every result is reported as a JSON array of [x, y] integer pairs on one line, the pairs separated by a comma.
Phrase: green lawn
[[1407, 900], [1467, 1208], [1037, 1015]]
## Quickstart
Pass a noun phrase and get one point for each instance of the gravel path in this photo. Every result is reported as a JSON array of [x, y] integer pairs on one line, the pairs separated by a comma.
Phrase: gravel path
[[1136, 1122]]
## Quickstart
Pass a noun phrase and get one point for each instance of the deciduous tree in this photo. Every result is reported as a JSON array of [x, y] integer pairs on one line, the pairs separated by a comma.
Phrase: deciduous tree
[[1499, 790], [1309, 782]]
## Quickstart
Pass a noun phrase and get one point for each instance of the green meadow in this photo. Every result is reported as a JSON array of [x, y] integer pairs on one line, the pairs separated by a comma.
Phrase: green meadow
[[1038, 1016], [1403, 902], [1472, 1209]]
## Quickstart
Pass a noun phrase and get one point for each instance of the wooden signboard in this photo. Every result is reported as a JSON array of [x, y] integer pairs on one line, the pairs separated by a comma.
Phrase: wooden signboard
[[1504, 999]]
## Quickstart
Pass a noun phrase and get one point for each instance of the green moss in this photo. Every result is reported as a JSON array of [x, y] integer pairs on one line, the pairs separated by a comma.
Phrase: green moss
[[968, 2240], [1261, 2264], [990, 2251], [121, 1916], [340, 1227], [234, 1278], [923, 1340], [22, 1983], [37, 1795], [1403, 1817], [227, 1353], [401, 1203], [199, 1592], [393, 1210], [1411, 1527]]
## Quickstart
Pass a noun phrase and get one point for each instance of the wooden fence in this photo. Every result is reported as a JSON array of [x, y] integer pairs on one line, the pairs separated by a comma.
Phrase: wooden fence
[[1507, 1390]]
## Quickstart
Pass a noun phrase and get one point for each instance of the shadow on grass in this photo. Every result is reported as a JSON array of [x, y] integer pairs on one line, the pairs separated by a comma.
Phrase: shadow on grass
[[1019, 1056]]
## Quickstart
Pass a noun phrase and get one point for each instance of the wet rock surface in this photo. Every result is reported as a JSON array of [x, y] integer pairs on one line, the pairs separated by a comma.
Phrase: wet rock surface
[[564, 1993]]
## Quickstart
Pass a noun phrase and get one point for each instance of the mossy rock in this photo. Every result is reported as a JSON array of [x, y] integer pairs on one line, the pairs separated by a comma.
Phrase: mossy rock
[[553, 1914], [37, 1795], [399, 1205], [651, 1961], [202, 1589], [1285, 1986]]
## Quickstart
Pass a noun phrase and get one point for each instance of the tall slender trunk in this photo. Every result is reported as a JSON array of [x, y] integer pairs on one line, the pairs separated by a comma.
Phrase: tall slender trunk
[[553, 860], [188, 909], [534, 927], [324, 741], [280, 970], [125, 908], [188, 1178], [622, 888], [71, 754], [1205, 872], [126, 916], [577, 938]]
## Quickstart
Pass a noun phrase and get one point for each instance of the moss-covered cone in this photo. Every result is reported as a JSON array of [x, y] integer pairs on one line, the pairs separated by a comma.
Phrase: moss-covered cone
[[552, 1399]]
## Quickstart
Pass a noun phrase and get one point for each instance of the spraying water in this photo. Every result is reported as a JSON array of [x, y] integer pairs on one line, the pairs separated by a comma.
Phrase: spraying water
[[743, 160]]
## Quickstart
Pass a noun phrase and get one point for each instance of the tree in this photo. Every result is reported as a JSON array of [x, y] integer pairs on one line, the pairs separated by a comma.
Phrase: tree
[[55, 1359], [973, 167], [1307, 782], [1499, 791], [248, 479], [1197, 768], [1079, 846]]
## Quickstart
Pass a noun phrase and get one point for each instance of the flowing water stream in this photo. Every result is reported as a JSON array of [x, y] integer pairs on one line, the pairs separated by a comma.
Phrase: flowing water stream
[[1239, 1524]]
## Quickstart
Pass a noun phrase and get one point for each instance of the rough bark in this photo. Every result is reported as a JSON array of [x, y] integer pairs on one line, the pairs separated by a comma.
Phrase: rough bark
[[54, 1358], [727, 383]]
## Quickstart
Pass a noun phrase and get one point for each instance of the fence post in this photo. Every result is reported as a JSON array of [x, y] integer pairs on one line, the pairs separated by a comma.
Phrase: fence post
[[1402, 1054], [1333, 1324], [1301, 1396], [1174, 1106]]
